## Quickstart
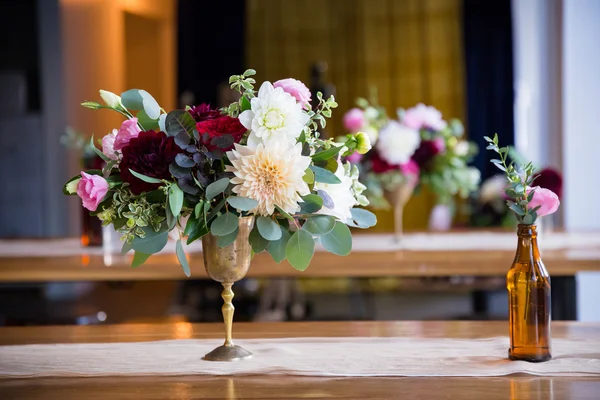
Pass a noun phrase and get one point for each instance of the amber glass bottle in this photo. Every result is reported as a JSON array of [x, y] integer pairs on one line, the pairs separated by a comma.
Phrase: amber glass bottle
[[528, 286]]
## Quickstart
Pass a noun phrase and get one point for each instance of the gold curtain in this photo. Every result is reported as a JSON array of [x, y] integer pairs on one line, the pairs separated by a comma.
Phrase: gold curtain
[[410, 50]]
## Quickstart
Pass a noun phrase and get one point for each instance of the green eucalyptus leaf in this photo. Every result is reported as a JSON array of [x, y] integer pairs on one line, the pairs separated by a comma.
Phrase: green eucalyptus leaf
[[152, 243], [284, 214], [268, 228], [145, 178], [324, 176], [319, 224], [311, 204], [175, 199], [132, 99], [179, 121], [146, 122], [309, 176], [213, 213], [339, 240], [528, 219], [276, 248], [216, 188], [139, 258], [224, 241], [242, 203], [258, 243], [171, 219], [300, 249], [516, 209], [224, 224], [191, 225], [199, 209], [182, 258], [363, 218]]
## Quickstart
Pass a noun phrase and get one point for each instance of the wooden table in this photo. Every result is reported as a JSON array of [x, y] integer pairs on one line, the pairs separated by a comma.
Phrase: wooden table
[[287, 387], [94, 266]]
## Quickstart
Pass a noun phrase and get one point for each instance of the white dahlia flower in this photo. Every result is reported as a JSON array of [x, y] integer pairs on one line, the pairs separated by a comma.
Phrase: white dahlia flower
[[270, 173], [274, 113], [341, 195]]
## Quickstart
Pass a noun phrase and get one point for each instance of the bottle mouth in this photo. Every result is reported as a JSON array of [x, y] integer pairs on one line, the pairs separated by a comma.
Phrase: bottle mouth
[[527, 230]]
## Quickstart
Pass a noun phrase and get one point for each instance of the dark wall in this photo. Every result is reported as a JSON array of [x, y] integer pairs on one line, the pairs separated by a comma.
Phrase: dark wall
[[489, 72], [211, 45], [20, 48]]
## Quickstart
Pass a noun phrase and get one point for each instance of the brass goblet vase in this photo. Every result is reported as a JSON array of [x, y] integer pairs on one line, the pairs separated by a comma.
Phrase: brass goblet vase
[[398, 199], [228, 265]]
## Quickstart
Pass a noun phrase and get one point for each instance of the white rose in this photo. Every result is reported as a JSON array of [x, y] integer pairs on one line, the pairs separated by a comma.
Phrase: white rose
[[397, 143]]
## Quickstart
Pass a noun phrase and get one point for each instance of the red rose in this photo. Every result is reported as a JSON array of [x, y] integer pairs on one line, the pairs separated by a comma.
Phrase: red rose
[[379, 165], [149, 154], [550, 179], [204, 112], [220, 133]]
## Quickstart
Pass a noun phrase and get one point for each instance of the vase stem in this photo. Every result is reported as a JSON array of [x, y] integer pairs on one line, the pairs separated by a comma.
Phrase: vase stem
[[398, 214], [228, 310]]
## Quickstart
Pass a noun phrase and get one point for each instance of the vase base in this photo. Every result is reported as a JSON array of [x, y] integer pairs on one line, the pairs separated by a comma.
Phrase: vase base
[[228, 353]]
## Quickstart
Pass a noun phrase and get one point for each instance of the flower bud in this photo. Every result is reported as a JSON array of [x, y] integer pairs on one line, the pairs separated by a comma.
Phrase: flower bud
[[111, 99], [363, 143], [71, 187]]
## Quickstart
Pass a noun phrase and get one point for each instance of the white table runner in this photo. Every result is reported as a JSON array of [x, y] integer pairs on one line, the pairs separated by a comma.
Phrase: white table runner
[[298, 356], [576, 242]]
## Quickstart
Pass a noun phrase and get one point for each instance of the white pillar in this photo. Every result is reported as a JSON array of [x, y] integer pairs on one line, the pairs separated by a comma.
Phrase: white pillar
[[581, 113]]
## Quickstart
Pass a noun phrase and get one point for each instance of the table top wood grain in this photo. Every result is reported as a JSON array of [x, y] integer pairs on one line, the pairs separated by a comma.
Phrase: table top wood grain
[[288, 387]]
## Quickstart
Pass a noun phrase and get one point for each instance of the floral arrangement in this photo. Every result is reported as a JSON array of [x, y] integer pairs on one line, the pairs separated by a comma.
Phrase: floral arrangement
[[198, 170], [526, 201], [419, 147], [489, 204]]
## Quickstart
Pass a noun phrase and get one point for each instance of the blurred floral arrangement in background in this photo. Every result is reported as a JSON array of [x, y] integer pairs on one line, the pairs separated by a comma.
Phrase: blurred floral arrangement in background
[[417, 148], [488, 205]]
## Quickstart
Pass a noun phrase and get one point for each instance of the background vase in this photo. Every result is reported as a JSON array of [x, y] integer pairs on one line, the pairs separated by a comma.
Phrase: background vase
[[398, 199], [228, 265], [440, 219]]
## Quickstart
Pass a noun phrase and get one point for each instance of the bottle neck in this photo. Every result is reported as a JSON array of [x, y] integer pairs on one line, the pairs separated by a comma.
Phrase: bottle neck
[[527, 246]]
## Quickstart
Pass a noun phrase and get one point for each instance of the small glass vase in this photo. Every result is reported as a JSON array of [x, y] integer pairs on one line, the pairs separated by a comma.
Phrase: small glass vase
[[228, 265], [398, 199], [528, 285]]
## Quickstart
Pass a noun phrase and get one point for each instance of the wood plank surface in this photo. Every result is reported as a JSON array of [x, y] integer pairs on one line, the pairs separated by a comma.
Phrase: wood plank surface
[[287, 387]]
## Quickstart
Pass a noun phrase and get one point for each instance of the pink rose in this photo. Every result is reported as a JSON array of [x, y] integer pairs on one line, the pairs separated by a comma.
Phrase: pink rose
[[546, 198], [91, 189], [410, 168], [108, 145], [422, 116], [354, 119], [354, 158], [129, 130], [296, 89]]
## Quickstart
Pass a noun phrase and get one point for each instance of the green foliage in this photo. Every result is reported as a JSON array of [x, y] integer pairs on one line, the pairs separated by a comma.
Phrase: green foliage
[[258, 243], [242, 203], [146, 122], [520, 177], [268, 228], [300, 249], [175, 197], [151, 243], [363, 218], [135, 99], [319, 224], [145, 178], [339, 240], [327, 154], [182, 258], [276, 248], [97, 151], [216, 188], [139, 258], [224, 241], [179, 121], [324, 176], [312, 203], [224, 224]]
